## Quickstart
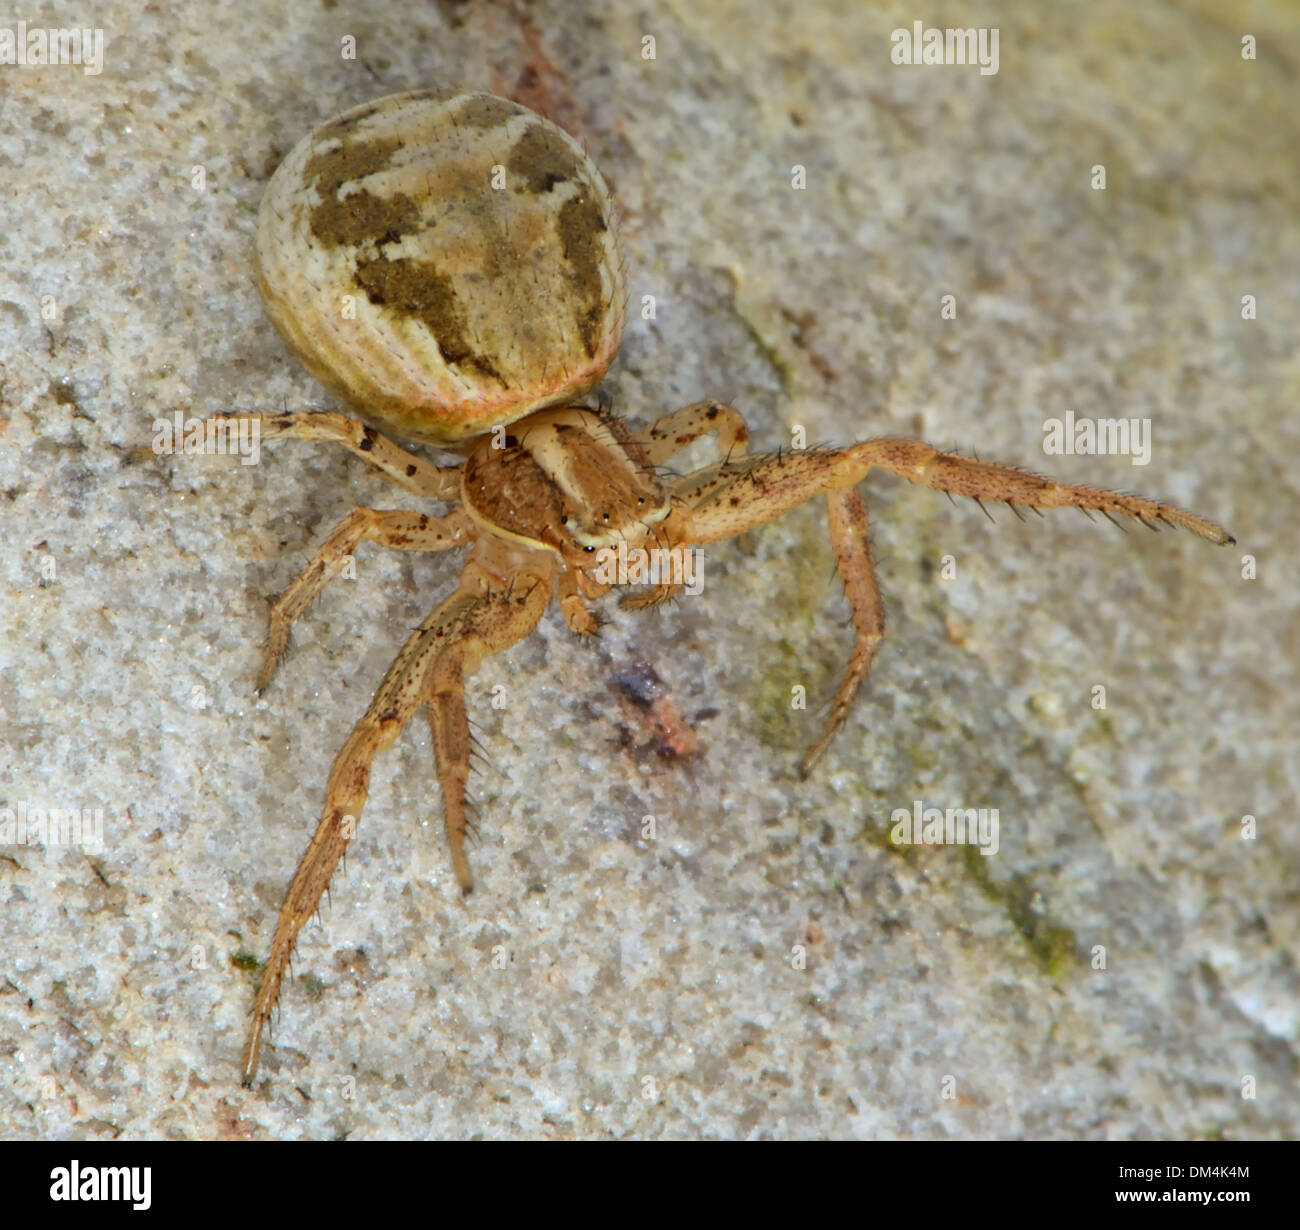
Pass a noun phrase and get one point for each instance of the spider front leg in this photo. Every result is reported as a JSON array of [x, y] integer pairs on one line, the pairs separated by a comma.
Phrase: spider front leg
[[408, 471], [671, 433], [730, 498], [847, 515], [572, 589], [727, 498], [665, 438], [396, 528]]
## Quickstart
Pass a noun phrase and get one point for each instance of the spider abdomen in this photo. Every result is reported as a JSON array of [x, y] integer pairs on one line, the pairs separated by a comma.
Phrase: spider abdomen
[[445, 262]]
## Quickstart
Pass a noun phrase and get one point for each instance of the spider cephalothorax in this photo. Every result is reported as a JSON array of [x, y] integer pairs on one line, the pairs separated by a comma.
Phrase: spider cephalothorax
[[448, 263], [571, 480]]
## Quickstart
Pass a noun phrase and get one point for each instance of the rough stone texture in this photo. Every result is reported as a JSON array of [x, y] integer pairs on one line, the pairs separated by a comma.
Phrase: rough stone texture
[[649, 987]]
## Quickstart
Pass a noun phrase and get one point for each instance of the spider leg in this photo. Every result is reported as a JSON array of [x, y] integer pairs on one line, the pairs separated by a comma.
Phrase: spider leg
[[408, 471], [921, 463], [673, 432], [731, 497], [680, 572], [572, 606], [590, 588], [654, 595], [399, 696], [847, 515], [673, 574], [499, 619], [402, 530], [735, 497]]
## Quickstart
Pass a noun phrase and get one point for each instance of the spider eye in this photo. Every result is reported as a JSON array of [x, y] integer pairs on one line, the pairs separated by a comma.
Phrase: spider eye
[[588, 548]]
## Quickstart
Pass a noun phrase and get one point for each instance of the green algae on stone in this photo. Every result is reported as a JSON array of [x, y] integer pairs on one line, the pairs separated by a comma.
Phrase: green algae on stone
[[249, 962], [314, 987], [1051, 944]]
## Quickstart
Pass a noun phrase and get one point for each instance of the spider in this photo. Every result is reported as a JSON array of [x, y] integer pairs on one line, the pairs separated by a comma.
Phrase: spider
[[549, 491]]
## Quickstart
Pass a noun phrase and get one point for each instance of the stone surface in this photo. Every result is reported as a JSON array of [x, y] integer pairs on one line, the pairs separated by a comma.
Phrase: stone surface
[[649, 987]]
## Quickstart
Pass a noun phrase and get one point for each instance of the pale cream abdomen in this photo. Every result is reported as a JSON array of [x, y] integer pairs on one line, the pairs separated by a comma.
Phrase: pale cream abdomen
[[444, 262]]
